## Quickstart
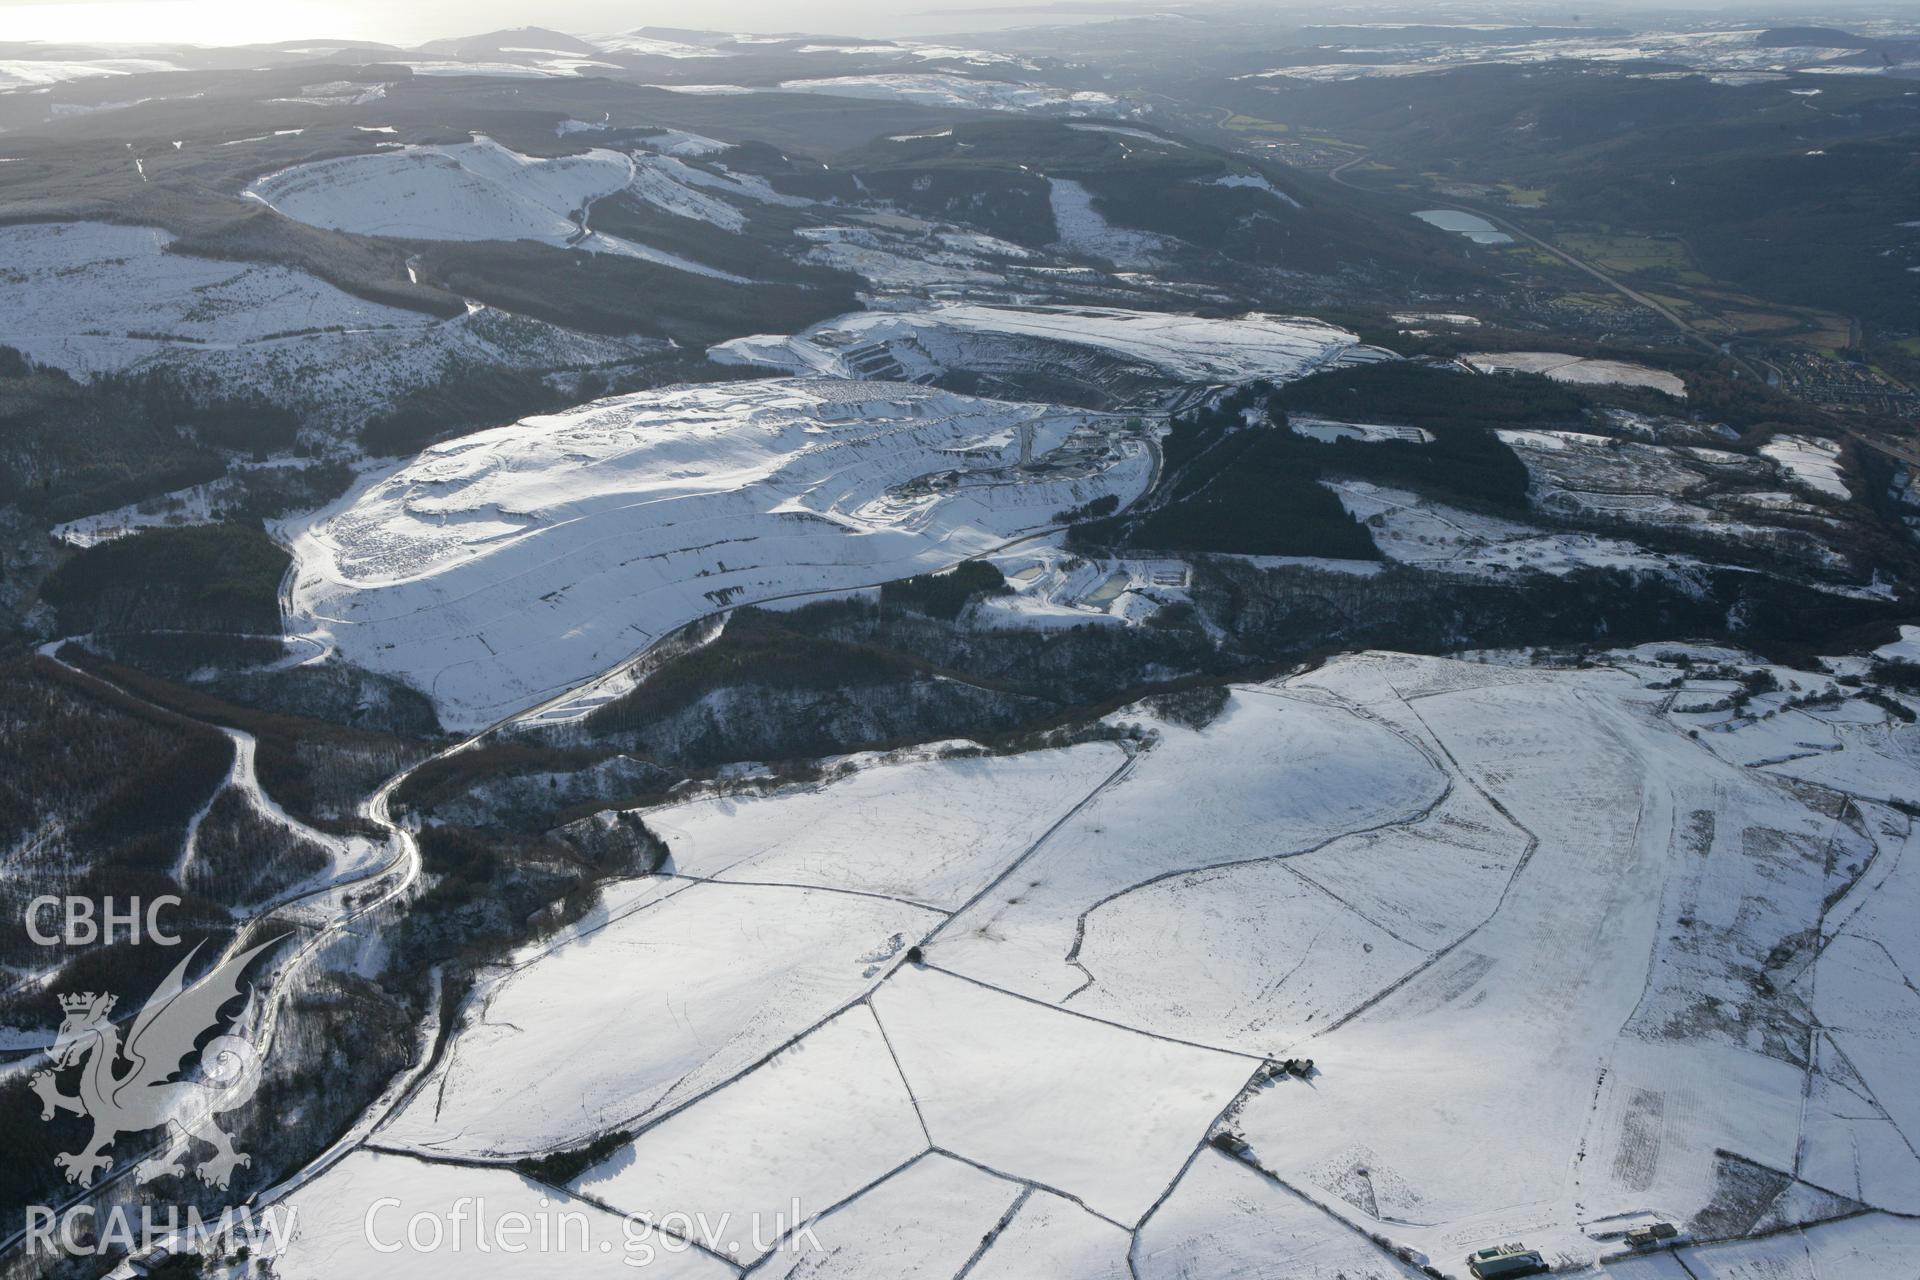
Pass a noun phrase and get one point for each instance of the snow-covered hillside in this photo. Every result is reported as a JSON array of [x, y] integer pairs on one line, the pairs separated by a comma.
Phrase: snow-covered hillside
[[89, 296], [1568, 954], [934, 89], [505, 566], [471, 191], [1105, 344], [481, 190], [1578, 370], [92, 297]]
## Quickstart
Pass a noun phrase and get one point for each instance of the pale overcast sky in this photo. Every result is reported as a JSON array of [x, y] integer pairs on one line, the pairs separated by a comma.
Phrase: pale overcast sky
[[412, 21]]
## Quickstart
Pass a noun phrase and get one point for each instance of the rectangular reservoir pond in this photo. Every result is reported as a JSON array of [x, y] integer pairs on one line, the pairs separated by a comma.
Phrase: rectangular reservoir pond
[[1471, 225]]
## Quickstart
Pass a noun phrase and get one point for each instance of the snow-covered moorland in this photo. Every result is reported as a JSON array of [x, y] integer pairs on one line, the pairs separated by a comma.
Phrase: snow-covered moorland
[[481, 190], [471, 191], [94, 297], [1157, 346], [1564, 963], [506, 566]]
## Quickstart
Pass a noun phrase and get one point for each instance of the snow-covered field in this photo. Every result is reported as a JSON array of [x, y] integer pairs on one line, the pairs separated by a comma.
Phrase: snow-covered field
[[37, 73], [470, 191], [89, 296], [510, 565], [1736, 53], [1578, 369], [1564, 962], [710, 977], [356, 1218], [1085, 232], [935, 89], [1328, 430], [1164, 347], [1733, 497], [933, 833], [1810, 461], [1415, 530], [92, 297], [481, 190]]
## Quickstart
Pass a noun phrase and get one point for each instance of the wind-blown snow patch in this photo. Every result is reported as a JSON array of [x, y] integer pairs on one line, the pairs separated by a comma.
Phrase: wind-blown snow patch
[[1254, 182]]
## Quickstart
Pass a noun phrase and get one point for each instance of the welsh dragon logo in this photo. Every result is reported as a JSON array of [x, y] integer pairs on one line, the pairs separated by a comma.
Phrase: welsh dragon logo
[[146, 1094]]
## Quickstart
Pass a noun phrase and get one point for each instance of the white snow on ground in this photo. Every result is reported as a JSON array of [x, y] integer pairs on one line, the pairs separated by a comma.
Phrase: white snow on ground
[[1905, 649], [911, 261], [932, 832], [1268, 778], [1563, 965], [1605, 1000], [350, 857], [341, 1227], [678, 142], [338, 93], [477, 190], [1872, 1247], [1256, 182], [814, 1125], [480, 190], [544, 68], [1328, 430], [1577, 369], [1084, 230], [1811, 461], [662, 182], [649, 1012], [1414, 530], [515, 563], [654, 46], [1099, 1113], [921, 1224], [31, 73], [935, 90], [1051, 587], [75, 293], [91, 297], [1227, 1222], [1699, 490], [1123, 131], [193, 505], [1052, 1236], [925, 343]]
